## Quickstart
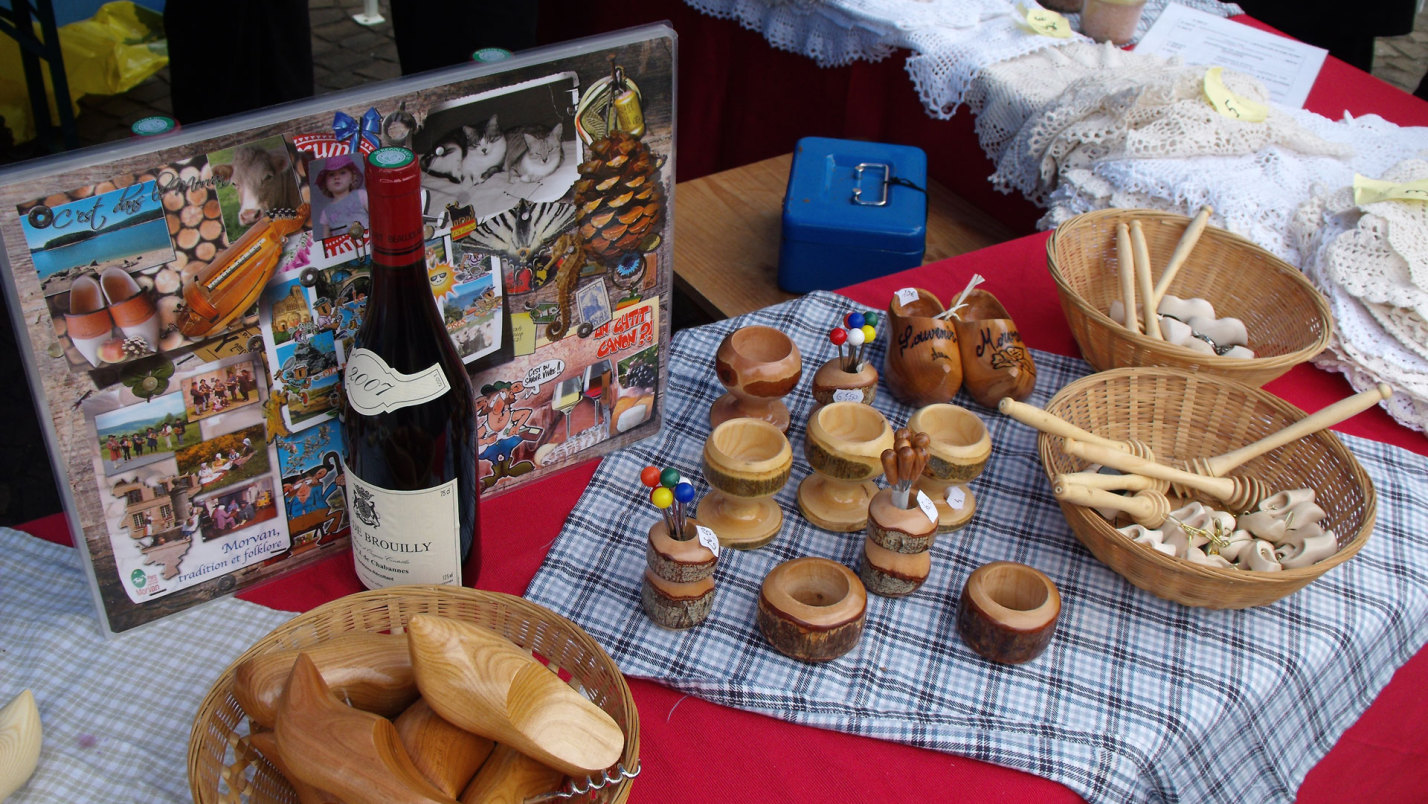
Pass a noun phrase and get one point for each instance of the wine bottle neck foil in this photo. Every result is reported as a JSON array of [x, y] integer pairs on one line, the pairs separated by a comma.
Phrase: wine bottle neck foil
[[394, 207]]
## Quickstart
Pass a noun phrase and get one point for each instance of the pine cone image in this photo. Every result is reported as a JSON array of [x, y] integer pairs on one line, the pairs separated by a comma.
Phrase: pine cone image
[[619, 198]]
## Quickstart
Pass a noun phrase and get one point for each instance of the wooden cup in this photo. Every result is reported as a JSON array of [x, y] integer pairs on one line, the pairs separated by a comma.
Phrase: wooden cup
[[957, 454], [1008, 612], [758, 366], [812, 609], [678, 587], [843, 445], [746, 461]]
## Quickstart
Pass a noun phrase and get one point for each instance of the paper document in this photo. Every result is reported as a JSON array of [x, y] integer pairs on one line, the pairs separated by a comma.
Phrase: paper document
[[1286, 66]]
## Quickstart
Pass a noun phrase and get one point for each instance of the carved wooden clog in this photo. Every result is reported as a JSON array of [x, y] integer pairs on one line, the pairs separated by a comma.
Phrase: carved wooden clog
[[371, 671], [266, 743], [958, 452], [834, 383], [678, 586], [483, 683], [843, 445], [352, 754], [746, 461], [758, 366], [812, 609], [1008, 612], [510, 777], [20, 738], [446, 755], [995, 361], [923, 364]]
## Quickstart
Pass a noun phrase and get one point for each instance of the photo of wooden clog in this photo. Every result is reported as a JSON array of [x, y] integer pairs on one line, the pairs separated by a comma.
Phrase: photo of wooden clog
[[995, 361], [87, 323], [923, 364], [130, 306]]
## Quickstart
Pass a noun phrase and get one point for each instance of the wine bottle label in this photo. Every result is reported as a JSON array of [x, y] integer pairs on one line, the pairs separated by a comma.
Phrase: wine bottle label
[[374, 387], [401, 537]]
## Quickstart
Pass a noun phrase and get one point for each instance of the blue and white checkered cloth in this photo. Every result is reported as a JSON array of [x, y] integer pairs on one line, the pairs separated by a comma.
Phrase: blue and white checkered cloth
[[115, 712], [1136, 699]]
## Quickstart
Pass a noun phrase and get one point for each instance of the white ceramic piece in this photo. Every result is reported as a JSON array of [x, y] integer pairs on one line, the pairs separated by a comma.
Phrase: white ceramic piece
[[1176, 332], [1261, 557], [1311, 551], [1140, 534], [1117, 312], [1225, 332], [1286, 499], [1239, 353], [1240, 541], [1197, 345], [1302, 514], [1264, 525], [1200, 557], [1185, 309]]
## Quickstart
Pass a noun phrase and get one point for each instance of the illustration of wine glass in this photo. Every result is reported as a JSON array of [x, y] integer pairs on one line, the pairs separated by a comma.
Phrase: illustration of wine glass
[[565, 398], [597, 377]]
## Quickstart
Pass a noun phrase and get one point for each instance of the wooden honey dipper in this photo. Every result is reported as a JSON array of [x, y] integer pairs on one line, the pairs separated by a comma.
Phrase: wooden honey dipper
[[1113, 482], [1238, 493], [1051, 424], [1320, 420], [1147, 507], [903, 464]]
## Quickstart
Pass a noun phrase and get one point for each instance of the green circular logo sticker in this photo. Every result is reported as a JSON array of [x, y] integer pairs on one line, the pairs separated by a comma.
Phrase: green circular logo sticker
[[156, 124], [391, 157], [138, 578], [486, 55]]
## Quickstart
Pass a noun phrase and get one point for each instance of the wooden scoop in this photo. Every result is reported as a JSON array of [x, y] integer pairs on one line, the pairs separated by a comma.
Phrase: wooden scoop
[[369, 671], [1239, 493], [20, 737], [1149, 508], [483, 683], [355, 755]]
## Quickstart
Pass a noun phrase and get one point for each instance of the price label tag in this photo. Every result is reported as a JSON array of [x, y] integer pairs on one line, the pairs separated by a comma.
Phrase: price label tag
[[927, 505], [906, 295], [956, 497], [847, 395], [1228, 103], [1369, 191], [707, 538], [1044, 22]]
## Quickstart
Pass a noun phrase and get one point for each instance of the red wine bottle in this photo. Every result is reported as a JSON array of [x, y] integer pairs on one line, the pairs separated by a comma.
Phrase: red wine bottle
[[409, 423]]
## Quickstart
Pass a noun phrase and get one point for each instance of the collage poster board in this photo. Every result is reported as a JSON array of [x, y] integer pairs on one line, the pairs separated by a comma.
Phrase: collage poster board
[[188, 302]]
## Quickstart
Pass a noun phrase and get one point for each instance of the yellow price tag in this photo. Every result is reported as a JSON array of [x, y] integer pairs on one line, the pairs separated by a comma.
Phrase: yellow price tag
[[1369, 191], [1228, 103], [1045, 22]]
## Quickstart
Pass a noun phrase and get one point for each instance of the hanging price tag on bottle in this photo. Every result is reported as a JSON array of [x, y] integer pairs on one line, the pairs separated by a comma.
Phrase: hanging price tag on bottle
[[906, 295], [708, 538], [1228, 103], [956, 497], [927, 505], [1370, 191], [1043, 21]]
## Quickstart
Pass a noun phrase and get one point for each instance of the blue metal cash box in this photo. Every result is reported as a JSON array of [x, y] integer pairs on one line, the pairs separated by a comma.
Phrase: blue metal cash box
[[853, 210]]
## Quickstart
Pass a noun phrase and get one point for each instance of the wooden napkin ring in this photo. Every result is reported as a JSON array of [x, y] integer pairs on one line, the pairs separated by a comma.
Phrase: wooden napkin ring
[[1008, 612], [812, 609]]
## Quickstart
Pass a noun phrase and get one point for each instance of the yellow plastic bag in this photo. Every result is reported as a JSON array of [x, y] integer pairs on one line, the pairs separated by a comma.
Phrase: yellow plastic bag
[[110, 53]]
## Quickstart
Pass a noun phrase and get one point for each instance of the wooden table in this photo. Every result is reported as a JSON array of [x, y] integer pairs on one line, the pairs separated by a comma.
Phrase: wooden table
[[726, 235]]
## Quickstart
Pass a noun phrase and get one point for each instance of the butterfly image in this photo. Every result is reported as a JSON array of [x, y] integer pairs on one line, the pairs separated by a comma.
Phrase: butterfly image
[[520, 234]]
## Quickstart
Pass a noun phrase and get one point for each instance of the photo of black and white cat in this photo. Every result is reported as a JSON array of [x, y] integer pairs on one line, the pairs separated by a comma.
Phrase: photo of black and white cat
[[494, 149]]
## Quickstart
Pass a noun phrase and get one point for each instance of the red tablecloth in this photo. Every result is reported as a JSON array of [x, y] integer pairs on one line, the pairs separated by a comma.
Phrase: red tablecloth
[[693, 751]]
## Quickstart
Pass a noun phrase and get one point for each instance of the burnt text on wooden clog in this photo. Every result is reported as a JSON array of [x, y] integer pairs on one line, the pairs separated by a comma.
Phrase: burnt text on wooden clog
[[995, 361], [923, 363]]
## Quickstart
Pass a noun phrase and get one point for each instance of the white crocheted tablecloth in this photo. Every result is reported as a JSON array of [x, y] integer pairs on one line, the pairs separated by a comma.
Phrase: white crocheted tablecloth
[[950, 40]]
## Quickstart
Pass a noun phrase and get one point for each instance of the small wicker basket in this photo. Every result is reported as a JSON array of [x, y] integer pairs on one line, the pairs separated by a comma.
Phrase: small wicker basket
[[1182, 416], [1287, 319], [222, 767]]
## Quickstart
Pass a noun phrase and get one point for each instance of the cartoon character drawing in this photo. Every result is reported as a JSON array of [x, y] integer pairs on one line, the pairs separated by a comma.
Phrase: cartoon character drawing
[[502, 428]]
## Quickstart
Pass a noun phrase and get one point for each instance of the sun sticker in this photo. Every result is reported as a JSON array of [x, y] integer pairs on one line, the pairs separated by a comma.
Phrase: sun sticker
[[442, 278]]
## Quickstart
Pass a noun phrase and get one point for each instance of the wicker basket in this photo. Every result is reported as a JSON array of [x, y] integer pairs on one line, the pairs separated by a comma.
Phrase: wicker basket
[[219, 761], [1182, 416], [1287, 319]]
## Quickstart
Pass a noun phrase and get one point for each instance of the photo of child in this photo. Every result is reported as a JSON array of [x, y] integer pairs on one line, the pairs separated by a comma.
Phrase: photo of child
[[339, 200]]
